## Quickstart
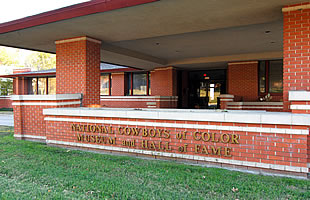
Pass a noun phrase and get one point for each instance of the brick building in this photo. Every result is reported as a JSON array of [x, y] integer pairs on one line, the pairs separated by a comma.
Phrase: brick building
[[190, 58]]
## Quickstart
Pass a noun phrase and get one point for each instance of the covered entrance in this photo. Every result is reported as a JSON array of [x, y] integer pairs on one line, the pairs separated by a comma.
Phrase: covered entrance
[[205, 88]]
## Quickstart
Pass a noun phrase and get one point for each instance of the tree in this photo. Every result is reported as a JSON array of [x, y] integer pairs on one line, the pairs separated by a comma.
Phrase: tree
[[10, 57], [6, 87], [41, 61]]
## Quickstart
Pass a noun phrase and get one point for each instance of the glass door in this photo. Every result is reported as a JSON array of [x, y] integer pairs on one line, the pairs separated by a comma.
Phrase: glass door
[[214, 92], [205, 88]]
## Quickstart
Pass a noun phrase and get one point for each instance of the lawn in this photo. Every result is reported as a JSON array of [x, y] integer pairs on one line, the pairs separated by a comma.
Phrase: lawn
[[35, 171]]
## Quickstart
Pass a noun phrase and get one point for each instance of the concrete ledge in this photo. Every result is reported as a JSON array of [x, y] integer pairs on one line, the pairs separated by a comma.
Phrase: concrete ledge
[[294, 8], [299, 96], [300, 107], [179, 125], [5, 97], [227, 96], [258, 103], [254, 117], [138, 97], [46, 97], [30, 136], [46, 103]]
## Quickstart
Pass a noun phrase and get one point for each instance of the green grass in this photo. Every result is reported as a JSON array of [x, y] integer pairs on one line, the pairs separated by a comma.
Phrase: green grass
[[35, 171]]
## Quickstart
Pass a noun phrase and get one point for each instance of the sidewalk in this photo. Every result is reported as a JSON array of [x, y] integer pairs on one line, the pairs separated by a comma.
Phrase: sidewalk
[[6, 119]]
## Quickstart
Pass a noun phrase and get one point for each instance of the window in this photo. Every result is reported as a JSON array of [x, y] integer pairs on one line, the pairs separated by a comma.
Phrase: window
[[33, 86], [138, 84], [271, 77], [42, 85], [51, 85], [105, 84]]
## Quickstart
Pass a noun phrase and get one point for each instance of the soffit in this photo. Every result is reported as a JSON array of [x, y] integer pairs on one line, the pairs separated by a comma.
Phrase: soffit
[[196, 28]]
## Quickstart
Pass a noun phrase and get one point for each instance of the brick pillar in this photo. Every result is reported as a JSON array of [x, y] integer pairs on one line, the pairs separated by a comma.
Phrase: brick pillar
[[225, 98], [20, 86], [118, 84], [242, 80], [164, 82], [296, 52], [78, 68]]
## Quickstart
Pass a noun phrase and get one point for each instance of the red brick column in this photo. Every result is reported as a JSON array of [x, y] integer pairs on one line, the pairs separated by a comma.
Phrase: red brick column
[[118, 84], [20, 86], [78, 68], [164, 82], [243, 80], [296, 52]]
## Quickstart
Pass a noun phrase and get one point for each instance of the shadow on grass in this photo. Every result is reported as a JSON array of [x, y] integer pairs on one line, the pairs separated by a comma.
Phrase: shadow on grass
[[6, 130]]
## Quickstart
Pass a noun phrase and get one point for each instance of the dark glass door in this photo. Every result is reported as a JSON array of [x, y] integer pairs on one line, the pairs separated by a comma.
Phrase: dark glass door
[[204, 91]]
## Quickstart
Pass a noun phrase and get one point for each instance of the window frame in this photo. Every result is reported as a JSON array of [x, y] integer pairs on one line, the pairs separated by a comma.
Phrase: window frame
[[267, 76], [47, 85], [110, 84], [37, 83], [130, 86]]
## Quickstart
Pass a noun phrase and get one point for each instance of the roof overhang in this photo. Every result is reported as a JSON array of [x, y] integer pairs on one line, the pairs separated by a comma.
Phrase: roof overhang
[[151, 33]]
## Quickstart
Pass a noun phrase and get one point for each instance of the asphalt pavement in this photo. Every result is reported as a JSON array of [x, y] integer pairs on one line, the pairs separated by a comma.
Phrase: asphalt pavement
[[6, 119]]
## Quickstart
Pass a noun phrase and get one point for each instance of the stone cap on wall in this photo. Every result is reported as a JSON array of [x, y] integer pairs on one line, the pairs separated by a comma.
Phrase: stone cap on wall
[[299, 95], [254, 117], [138, 97], [256, 103], [54, 97]]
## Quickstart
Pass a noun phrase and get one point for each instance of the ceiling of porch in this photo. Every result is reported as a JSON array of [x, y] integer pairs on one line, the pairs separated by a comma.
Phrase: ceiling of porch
[[182, 33]]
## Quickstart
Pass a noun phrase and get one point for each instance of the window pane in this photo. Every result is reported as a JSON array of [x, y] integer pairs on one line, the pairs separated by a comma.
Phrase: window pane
[[104, 84], [150, 91], [129, 84], [139, 84], [42, 86], [276, 76], [32, 87], [262, 77], [52, 85]]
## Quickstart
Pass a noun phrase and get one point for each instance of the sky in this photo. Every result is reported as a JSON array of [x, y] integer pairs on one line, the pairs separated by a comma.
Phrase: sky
[[16, 9]]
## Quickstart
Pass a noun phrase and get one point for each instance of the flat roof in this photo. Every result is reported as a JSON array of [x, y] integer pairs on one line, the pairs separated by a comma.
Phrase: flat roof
[[149, 33], [104, 68]]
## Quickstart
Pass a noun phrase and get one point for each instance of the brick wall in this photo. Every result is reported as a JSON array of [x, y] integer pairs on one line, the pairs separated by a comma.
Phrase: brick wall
[[242, 80], [296, 52], [78, 68], [163, 91], [118, 84], [273, 148], [164, 82], [20, 86], [28, 114], [5, 102]]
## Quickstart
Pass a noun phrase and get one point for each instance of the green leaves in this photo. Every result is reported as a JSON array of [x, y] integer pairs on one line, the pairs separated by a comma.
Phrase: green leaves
[[6, 86], [41, 61]]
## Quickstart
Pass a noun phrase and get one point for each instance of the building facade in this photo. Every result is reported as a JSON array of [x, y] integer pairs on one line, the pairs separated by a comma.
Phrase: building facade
[[245, 56]]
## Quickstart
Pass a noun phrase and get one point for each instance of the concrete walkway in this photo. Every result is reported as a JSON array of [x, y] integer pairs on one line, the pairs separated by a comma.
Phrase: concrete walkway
[[6, 119]]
